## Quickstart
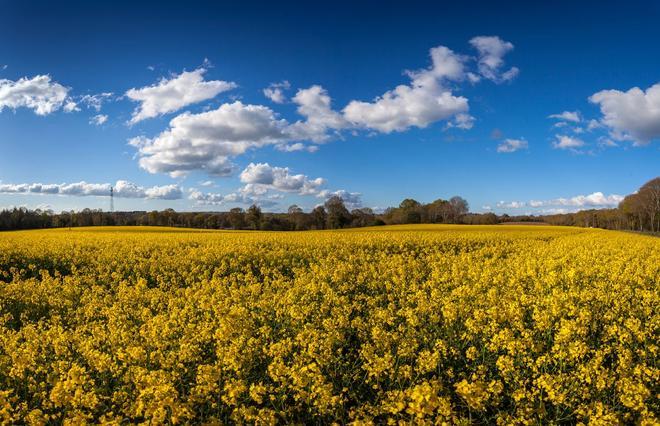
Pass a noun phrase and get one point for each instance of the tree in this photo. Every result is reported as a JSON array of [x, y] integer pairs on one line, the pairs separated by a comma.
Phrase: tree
[[410, 211], [253, 217], [237, 218], [633, 209], [649, 197], [409, 204], [459, 207], [363, 217], [319, 217], [298, 218], [434, 211], [338, 214]]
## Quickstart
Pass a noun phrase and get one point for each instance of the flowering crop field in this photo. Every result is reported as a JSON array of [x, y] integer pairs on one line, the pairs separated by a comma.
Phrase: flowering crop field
[[406, 324]]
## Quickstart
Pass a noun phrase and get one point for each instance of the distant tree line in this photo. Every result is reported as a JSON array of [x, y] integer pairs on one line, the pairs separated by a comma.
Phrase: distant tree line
[[332, 215], [639, 211]]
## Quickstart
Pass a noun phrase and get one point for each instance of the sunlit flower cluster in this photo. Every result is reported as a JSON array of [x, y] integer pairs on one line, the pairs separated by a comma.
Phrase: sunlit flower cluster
[[410, 324]]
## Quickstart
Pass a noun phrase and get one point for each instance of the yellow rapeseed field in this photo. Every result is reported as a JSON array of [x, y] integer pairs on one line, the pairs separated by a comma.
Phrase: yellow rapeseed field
[[407, 324]]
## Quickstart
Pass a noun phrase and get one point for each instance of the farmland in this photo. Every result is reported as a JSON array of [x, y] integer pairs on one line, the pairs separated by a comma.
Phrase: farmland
[[413, 323]]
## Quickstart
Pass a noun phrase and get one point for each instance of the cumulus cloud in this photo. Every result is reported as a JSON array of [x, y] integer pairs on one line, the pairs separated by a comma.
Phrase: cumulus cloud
[[352, 200], [596, 199], [215, 199], [567, 142], [314, 104], [166, 192], [490, 62], [40, 94], [572, 116], [172, 94], [275, 91], [424, 101], [207, 140], [563, 205], [633, 115], [98, 119], [121, 189], [265, 184], [205, 198], [262, 177], [512, 145]]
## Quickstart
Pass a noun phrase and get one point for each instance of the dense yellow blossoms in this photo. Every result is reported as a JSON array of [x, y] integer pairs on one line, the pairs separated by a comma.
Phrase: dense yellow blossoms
[[409, 324]]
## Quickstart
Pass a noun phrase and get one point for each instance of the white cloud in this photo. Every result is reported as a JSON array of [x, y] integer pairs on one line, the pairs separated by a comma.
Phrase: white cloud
[[166, 192], [633, 115], [40, 94], [491, 51], [84, 189], [567, 142], [314, 103], [275, 91], [596, 199], [263, 184], [298, 146], [70, 106], [556, 211], [424, 101], [262, 177], [8, 188], [95, 102], [352, 200], [563, 205], [98, 119], [205, 198], [207, 140], [170, 95], [215, 199], [122, 189], [512, 145], [572, 116], [511, 204], [462, 121], [207, 183]]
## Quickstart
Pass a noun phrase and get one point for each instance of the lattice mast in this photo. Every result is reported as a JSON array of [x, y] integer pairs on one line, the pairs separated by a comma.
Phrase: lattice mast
[[112, 200]]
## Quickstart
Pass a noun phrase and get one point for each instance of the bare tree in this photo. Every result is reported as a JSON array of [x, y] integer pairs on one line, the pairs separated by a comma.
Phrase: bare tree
[[649, 195]]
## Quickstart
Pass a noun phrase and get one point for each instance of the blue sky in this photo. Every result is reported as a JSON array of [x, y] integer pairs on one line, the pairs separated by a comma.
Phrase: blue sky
[[375, 102]]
